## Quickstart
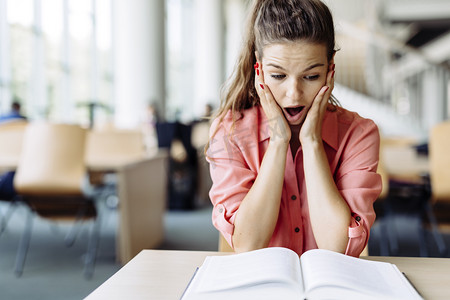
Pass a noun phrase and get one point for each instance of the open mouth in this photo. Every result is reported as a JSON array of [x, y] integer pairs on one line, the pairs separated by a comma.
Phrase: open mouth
[[293, 111]]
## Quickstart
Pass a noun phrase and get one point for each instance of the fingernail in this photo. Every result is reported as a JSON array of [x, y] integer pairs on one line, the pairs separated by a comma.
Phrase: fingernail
[[332, 74], [257, 72], [261, 85], [256, 66], [333, 66], [326, 89]]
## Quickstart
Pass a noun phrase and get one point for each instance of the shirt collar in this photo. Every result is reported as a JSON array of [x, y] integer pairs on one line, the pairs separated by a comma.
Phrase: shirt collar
[[329, 128]]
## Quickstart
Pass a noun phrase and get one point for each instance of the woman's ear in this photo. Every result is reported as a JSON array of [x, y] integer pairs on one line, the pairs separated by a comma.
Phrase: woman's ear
[[331, 62]]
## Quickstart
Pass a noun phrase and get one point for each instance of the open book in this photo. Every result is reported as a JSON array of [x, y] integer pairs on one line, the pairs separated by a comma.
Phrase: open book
[[279, 273]]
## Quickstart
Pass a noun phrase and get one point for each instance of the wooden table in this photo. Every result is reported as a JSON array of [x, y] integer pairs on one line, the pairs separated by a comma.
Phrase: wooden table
[[142, 190], [163, 275]]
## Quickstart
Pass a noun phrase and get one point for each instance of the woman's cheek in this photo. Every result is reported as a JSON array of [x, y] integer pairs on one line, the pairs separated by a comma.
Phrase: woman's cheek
[[275, 93]]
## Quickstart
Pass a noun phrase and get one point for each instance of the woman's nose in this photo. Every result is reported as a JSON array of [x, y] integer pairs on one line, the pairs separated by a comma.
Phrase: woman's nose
[[294, 90]]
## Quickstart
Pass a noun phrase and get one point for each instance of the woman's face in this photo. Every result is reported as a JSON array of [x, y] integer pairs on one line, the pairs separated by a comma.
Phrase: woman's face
[[295, 72]]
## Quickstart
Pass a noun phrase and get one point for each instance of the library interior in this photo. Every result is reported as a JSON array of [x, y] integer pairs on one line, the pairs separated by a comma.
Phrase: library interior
[[106, 108]]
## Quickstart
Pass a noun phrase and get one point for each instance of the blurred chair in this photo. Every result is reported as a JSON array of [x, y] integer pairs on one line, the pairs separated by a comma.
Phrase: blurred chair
[[200, 136], [106, 151], [7, 194], [50, 177], [438, 208], [176, 137], [401, 195], [11, 135], [113, 147], [386, 239]]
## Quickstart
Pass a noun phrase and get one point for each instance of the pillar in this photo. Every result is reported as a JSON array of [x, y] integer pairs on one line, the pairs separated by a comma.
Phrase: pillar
[[5, 71], [208, 54], [139, 62]]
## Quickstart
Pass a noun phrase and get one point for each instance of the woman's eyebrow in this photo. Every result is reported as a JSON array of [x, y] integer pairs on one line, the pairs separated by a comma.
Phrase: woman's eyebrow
[[275, 66], [305, 70], [313, 66]]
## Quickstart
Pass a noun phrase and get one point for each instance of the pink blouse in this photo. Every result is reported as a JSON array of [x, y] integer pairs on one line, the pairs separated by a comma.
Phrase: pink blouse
[[352, 146]]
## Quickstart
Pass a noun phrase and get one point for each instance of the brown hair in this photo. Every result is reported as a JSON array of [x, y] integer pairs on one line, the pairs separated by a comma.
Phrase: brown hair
[[274, 21]]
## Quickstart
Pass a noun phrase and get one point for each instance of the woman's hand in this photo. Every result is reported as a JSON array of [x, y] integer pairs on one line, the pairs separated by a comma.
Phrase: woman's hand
[[279, 130], [312, 127]]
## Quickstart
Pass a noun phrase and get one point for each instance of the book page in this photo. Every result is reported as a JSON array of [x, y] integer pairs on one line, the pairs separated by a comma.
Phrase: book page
[[323, 268], [250, 268], [265, 274]]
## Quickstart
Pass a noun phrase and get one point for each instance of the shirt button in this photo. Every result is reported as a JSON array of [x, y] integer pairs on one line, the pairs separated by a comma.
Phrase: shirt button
[[297, 229], [358, 218], [293, 197], [220, 210]]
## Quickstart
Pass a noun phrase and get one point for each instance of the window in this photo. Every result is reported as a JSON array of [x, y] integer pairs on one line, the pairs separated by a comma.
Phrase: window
[[59, 58], [180, 59]]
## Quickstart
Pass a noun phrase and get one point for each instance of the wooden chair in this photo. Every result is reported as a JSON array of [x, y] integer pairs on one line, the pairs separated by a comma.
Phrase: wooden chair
[[11, 135], [386, 240], [118, 146], [111, 148], [50, 178], [200, 136], [438, 208]]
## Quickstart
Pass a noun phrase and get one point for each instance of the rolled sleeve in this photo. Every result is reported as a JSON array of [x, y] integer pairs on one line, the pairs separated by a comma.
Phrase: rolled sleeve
[[357, 236], [359, 184], [231, 181], [360, 201], [223, 222]]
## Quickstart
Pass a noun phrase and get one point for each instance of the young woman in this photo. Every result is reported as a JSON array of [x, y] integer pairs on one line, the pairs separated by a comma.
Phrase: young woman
[[290, 168]]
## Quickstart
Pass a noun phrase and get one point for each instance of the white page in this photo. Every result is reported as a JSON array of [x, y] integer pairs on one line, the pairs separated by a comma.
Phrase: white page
[[327, 268], [275, 265]]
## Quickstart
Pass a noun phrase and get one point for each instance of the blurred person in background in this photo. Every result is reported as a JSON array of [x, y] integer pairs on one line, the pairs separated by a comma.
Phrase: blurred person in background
[[14, 114]]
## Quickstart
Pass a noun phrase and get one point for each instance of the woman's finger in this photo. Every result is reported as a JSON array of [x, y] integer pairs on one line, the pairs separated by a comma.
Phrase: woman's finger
[[330, 85], [265, 97], [259, 78]]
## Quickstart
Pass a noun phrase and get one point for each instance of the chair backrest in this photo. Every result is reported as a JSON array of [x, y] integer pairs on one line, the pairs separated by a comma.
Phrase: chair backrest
[[114, 147], [11, 135], [52, 160], [200, 134], [439, 158]]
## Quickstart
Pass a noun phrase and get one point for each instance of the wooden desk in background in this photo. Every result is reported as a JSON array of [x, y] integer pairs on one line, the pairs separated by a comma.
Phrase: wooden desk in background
[[163, 275], [142, 190]]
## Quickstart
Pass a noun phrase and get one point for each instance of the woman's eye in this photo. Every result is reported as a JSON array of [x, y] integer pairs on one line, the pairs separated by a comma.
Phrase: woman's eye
[[278, 76], [312, 77]]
